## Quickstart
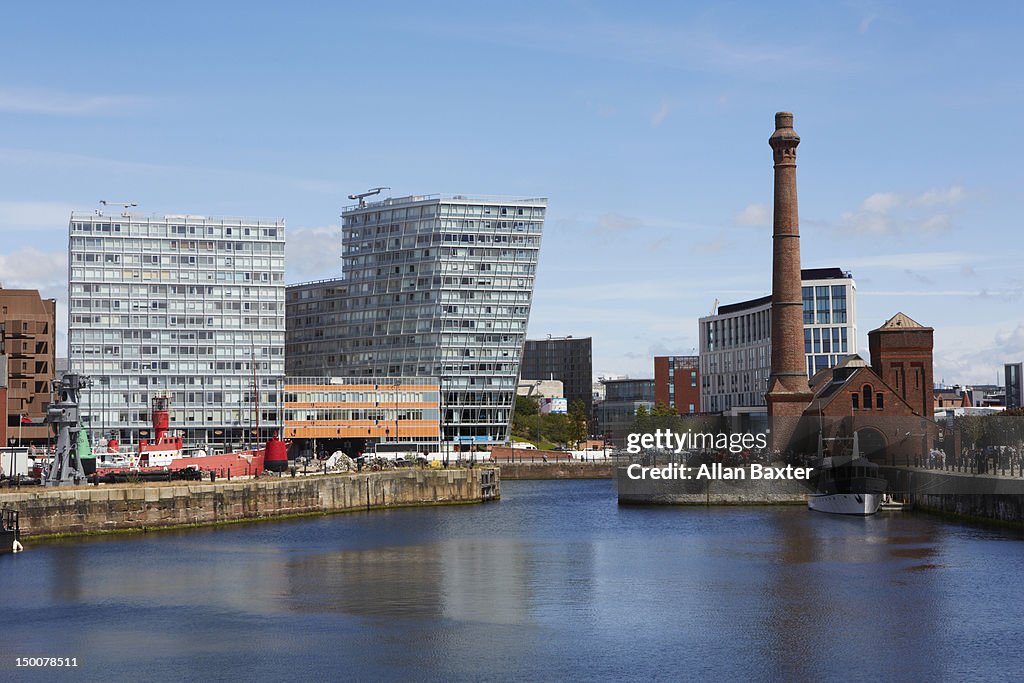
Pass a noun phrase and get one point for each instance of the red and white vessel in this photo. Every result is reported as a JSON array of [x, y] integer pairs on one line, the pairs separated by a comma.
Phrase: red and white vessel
[[166, 453]]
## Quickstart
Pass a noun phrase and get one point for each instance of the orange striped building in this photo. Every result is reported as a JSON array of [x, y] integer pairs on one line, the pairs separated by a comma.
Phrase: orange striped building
[[393, 410]]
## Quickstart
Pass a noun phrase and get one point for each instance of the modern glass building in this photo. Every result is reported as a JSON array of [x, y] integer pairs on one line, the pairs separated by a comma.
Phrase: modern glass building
[[184, 306], [735, 342], [432, 286], [616, 414]]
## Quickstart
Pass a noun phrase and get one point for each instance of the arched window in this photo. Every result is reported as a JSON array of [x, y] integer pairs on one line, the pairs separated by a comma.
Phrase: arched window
[[867, 396]]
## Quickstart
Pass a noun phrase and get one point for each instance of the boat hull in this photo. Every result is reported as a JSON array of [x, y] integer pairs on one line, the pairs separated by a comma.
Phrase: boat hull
[[860, 504], [227, 465]]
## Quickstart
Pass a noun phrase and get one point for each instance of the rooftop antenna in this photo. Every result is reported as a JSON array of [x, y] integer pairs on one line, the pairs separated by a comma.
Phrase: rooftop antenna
[[125, 205], [363, 195]]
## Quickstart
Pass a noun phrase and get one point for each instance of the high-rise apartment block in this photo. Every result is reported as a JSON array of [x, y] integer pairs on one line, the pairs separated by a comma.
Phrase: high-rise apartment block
[[184, 306], [736, 342], [432, 287], [29, 326], [569, 359]]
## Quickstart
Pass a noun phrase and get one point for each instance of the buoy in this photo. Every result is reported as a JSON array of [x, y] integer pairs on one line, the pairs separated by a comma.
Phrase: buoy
[[17, 547]]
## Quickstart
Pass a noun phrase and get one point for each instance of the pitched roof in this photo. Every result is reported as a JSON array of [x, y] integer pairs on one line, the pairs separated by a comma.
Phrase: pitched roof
[[851, 373], [900, 320]]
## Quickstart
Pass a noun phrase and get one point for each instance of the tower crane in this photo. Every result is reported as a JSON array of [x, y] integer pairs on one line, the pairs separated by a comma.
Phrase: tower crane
[[361, 197]]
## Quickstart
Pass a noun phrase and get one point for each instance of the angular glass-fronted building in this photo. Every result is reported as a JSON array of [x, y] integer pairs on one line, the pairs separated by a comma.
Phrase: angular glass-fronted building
[[432, 287], [188, 307]]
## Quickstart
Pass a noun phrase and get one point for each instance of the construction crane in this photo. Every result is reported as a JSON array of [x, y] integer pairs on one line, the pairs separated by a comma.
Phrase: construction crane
[[714, 307], [361, 197], [125, 205]]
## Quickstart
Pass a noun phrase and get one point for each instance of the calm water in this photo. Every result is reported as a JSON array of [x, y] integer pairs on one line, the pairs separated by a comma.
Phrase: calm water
[[553, 582]]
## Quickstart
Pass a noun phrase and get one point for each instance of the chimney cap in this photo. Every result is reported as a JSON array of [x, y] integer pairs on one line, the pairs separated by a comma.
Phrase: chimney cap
[[784, 135]]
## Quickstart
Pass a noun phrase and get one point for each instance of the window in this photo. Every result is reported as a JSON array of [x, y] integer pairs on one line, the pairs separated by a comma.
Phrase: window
[[867, 397], [878, 401], [854, 398]]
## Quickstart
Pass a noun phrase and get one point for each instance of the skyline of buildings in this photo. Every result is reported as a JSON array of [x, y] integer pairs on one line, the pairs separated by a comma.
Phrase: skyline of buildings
[[136, 279]]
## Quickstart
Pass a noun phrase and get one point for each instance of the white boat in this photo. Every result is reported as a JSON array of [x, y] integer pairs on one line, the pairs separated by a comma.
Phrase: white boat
[[847, 485], [845, 503]]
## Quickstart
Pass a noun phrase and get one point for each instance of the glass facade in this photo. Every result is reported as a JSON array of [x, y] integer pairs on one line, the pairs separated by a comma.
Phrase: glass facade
[[432, 287], [187, 307], [735, 344], [829, 330]]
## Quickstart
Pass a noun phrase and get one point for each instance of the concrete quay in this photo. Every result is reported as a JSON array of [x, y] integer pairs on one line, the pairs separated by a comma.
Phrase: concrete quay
[[561, 469], [92, 509], [987, 498]]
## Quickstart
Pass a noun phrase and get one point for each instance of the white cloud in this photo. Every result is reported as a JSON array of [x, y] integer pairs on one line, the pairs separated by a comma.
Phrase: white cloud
[[894, 213], [936, 224], [974, 354], [313, 253], [758, 215], [942, 196], [31, 268], [658, 117], [881, 202], [39, 101]]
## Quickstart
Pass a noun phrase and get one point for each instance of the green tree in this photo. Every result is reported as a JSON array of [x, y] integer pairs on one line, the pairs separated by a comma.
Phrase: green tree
[[642, 423], [525, 418], [577, 421], [526, 406], [555, 428]]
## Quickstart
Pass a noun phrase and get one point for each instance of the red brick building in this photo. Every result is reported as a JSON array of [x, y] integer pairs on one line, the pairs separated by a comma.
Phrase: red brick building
[[889, 403], [677, 383], [28, 341], [901, 354]]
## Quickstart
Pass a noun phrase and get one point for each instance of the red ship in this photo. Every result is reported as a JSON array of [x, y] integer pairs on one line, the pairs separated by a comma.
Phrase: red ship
[[165, 453]]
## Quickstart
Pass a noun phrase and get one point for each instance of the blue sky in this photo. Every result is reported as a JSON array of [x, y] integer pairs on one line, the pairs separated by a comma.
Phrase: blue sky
[[645, 125]]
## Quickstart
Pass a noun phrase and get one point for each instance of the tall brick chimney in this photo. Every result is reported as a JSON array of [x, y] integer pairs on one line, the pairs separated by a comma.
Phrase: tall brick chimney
[[788, 392]]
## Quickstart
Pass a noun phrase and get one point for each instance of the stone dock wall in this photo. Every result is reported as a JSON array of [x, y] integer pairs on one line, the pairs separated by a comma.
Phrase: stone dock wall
[[557, 470], [708, 491], [91, 509], [973, 497]]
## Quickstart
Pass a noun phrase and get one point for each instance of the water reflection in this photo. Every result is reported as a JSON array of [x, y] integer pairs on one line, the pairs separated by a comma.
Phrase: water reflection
[[839, 591], [555, 581]]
